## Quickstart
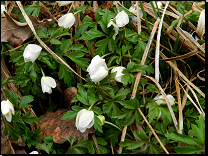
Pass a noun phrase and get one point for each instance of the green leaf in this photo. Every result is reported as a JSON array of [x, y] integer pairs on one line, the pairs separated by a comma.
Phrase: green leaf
[[107, 107], [13, 97], [181, 138], [175, 21], [66, 74], [25, 100], [69, 115], [41, 33], [55, 41], [186, 150], [75, 56], [59, 32], [65, 45], [97, 124], [45, 147], [94, 34], [127, 104], [130, 145], [122, 94], [180, 7]]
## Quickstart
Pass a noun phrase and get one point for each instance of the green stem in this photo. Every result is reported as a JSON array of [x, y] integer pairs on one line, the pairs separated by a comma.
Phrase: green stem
[[93, 104], [111, 68], [117, 128], [79, 11], [42, 71], [106, 55]]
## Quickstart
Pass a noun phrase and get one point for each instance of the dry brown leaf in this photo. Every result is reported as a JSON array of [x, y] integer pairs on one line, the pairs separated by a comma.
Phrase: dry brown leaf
[[16, 32], [69, 94], [52, 125]]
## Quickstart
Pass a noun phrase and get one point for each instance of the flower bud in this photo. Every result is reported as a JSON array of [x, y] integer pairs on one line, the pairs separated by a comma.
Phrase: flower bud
[[161, 100], [7, 109], [31, 52], [119, 73], [84, 120], [47, 83], [2, 10], [66, 21], [99, 74], [63, 3], [102, 119]]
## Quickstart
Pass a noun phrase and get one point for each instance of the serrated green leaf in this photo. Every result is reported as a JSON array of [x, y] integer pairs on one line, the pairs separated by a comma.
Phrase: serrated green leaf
[[55, 41], [127, 104], [25, 100], [59, 32], [97, 124], [186, 150], [41, 33], [13, 97], [65, 45], [181, 138], [69, 115]]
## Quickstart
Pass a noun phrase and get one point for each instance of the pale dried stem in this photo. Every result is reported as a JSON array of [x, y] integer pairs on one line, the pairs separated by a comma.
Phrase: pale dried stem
[[157, 52], [161, 144], [122, 139], [180, 116], [138, 19], [95, 141], [42, 43]]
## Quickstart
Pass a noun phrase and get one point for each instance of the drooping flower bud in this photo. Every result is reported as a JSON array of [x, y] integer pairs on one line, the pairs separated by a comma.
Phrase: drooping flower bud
[[102, 119], [133, 10], [99, 74], [2, 10], [63, 3]]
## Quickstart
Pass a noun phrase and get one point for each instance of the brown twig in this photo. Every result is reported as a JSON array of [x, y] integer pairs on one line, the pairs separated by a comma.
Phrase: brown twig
[[95, 141]]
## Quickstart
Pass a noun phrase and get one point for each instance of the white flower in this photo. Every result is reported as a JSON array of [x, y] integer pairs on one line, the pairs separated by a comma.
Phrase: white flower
[[7, 109], [31, 52], [62, 3], [133, 10], [2, 10], [159, 4], [119, 73], [84, 120], [122, 19], [66, 21], [34, 152], [160, 100], [96, 62], [99, 74], [47, 83], [102, 119]]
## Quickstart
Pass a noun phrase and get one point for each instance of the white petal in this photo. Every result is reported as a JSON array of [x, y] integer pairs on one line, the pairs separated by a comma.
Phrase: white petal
[[99, 74], [31, 52], [96, 62], [119, 73], [122, 19], [34, 152], [2, 10], [160, 101], [49, 81], [78, 117], [171, 99], [69, 20], [61, 20], [63, 3], [6, 106], [91, 123], [85, 118], [8, 116], [82, 129]]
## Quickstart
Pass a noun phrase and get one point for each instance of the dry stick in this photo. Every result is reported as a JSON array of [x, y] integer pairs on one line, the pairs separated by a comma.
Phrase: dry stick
[[157, 52], [95, 141], [180, 116], [138, 19], [42, 43], [139, 75], [153, 131], [182, 75]]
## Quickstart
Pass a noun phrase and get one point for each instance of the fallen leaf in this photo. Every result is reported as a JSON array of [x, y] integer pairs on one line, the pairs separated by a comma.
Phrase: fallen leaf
[[69, 94], [16, 32], [51, 124]]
